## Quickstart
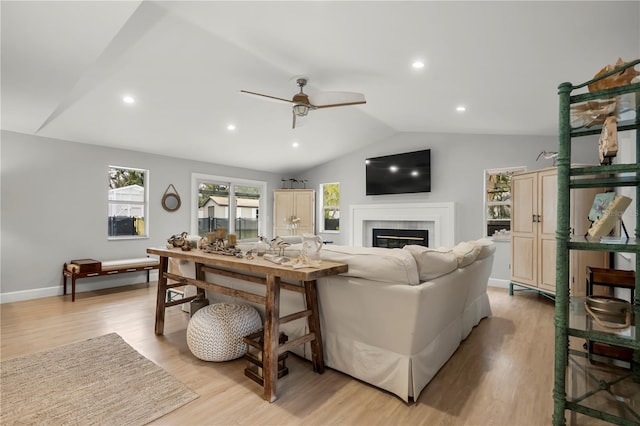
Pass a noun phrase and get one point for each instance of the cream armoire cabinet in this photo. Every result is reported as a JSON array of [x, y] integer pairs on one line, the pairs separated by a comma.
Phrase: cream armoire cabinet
[[291, 204], [533, 233]]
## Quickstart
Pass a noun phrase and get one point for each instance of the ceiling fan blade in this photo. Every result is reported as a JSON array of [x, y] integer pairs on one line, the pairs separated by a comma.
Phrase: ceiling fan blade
[[266, 96], [335, 99]]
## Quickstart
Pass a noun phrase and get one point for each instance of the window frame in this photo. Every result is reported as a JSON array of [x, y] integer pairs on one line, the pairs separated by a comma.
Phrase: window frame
[[144, 204], [321, 208], [198, 178]]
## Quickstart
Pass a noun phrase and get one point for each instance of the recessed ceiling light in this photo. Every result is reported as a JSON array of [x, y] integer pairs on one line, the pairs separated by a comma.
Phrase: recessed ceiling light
[[231, 127], [461, 108], [393, 169], [128, 99], [418, 65], [295, 144]]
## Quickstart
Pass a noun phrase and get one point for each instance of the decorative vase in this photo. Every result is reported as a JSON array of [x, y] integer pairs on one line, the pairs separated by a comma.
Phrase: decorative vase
[[261, 246]]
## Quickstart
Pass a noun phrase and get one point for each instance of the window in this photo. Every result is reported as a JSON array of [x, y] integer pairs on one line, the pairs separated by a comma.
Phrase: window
[[228, 203], [497, 201], [330, 207], [128, 203]]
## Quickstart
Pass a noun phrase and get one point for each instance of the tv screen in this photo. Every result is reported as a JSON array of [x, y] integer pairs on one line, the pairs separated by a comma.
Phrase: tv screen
[[404, 173]]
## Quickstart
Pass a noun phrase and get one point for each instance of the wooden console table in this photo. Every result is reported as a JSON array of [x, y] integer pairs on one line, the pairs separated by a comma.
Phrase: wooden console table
[[262, 272]]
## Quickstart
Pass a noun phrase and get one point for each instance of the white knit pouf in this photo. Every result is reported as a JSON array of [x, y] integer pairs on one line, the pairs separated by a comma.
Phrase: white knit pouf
[[215, 332]]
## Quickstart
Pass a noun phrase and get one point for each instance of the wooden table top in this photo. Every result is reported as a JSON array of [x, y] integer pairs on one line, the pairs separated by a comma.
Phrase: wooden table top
[[257, 264]]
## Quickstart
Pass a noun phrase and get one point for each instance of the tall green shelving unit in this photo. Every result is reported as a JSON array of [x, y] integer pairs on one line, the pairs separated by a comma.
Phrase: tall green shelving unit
[[602, 390]]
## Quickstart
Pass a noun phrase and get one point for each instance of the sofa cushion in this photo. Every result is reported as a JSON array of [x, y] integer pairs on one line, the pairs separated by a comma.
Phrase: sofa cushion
[[432, 263], [486, 247], [374, 263], [466, 253]]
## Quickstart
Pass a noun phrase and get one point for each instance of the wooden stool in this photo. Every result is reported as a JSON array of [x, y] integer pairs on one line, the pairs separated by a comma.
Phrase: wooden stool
[[255, 348]]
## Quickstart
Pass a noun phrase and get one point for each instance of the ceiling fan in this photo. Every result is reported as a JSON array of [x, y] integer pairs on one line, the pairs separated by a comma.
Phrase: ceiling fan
[[303, 103]]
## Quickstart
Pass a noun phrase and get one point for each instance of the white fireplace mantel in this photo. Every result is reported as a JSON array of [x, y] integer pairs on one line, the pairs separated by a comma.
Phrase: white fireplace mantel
[[441, 215]]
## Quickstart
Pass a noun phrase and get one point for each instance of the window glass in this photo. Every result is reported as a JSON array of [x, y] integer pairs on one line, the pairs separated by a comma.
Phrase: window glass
[[127, 202], [497, 201], [330, 207], [231, 204], [213, 211]]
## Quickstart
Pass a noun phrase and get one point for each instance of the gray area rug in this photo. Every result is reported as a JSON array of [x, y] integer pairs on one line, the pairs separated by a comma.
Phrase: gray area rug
[[98, 381]]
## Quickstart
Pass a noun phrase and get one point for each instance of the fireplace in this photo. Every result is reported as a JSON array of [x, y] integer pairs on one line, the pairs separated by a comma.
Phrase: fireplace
[[398, 238]]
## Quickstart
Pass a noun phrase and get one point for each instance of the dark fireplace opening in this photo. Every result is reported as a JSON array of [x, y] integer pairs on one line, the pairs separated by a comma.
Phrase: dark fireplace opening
[[398, 238]]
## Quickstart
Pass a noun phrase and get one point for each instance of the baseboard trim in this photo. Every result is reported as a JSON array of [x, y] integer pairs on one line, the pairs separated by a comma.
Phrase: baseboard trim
[[497, 282], [38, 293]]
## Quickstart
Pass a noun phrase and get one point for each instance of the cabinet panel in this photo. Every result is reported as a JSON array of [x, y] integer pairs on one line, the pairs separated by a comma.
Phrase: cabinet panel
[[522, 209], [523, 266], [548, 204], [547, 264]]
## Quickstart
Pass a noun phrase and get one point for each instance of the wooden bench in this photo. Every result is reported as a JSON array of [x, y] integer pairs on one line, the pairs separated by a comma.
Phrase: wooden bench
[[88, 268]]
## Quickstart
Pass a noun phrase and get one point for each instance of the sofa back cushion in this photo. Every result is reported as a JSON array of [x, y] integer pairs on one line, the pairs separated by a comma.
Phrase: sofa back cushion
[[374, 263], [486, 247], [432, 263], [466, 253]]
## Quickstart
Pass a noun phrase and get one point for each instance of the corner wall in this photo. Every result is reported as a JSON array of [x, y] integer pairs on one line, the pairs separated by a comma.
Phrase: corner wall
[[54, 209]]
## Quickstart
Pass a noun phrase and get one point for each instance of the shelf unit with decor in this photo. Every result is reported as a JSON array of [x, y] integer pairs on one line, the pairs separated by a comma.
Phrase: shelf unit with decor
[[604, 390]]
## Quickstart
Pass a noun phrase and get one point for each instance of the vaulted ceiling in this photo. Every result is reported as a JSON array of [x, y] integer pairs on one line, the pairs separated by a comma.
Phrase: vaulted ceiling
[[66, 66]]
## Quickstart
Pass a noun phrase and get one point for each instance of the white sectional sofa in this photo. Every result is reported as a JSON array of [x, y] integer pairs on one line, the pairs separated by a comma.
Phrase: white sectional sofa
[[397, 316]]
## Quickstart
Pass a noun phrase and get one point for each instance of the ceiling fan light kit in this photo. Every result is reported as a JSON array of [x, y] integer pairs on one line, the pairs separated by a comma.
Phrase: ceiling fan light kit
[[302, 105]]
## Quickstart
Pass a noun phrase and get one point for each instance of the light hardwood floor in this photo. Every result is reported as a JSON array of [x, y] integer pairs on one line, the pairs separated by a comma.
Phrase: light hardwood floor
[[501, 375]]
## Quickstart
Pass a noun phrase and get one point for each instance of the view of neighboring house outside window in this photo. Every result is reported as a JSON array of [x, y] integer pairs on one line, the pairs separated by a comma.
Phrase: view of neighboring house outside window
[[127, 202], [330, 207], [228, 203]]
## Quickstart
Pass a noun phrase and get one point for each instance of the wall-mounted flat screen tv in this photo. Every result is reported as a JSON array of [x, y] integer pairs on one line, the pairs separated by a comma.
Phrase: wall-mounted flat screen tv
[[404, 173]]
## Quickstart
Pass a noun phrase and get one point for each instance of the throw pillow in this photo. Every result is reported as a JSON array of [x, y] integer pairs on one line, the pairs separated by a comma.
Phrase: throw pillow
[[432, 263]]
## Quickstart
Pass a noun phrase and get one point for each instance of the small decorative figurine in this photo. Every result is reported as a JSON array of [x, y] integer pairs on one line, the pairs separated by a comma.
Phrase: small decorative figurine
[[178, 240]]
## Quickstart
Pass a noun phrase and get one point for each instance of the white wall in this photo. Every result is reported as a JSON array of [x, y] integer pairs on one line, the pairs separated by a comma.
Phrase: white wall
[[458, 162], [53, 206], [54, 209]]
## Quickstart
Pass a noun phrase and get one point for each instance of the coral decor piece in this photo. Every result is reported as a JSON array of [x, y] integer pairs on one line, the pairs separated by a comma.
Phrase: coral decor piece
[[179, 240], [622, 78], [591, 113], [608, 143]]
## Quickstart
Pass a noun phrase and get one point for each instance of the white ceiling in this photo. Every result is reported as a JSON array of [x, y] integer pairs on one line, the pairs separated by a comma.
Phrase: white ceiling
[[67, 65]]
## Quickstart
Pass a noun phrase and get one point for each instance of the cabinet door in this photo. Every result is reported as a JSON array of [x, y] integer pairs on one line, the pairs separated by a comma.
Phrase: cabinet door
[[283, 207], [305, 210], [524, 244], [547, 220]]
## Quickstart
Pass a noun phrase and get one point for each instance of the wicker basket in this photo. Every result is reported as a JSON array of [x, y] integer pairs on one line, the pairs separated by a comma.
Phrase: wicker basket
[[609, 309]]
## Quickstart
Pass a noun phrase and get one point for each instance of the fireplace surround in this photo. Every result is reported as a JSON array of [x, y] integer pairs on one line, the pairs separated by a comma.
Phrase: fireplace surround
[[438, 218]]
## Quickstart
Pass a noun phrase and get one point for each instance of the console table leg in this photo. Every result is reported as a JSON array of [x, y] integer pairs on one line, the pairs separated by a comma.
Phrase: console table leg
[[271, 335], [162, 294], [317, 351]]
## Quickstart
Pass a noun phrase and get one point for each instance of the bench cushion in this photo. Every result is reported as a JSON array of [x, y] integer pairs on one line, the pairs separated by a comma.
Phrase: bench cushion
[[112, 265], [140, 262]]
